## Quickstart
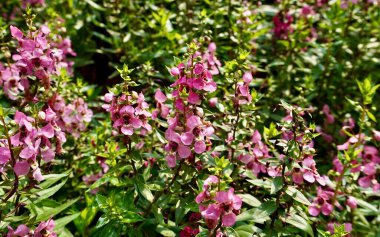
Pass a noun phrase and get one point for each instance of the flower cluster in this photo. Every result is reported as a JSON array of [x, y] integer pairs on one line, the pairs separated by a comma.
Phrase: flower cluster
[[35, 58], [128, 113], [195, 133], [242, 89], [187, 129], [34, 141], [282, 25], [257, 150], [72, 117], [329, 116], [223, 207], [307, 172], [45, 228], [161, 108], [322, 203], [304, 167], [209, 59], [40, 137], [188, 232], [367, 162]]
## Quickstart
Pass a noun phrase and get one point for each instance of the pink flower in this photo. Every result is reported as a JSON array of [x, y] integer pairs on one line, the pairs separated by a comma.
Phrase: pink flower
[[376, 135], [226, 205], [229, 199], [16, 33], [329, 117], [174, 71], [282, 25], [23, 121], [310, 172], [5, 155], [351, 202], [256, 151], [213, 102], [205, 195], [46, 229], [22, 231], [37, 56], [322, 203], [307, 10], [210, 60], [211, 214], [128, 113], [21, 168], [188, 232]]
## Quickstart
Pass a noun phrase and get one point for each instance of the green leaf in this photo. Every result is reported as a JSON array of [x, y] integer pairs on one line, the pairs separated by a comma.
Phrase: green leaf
[[246, 230], [180, 211], [265, 210], [300, 223], [260, 183], [277, 184], [297, 195], [102, 201], [61, 222], [109, 230], [44, 194], [143, 189], [51, 179], [131, 217], [46, 213], [371, 116], [250, 200], [102, 221], [49, 192], [164, 231], [367, 205], [259, 214], [95, 5], [65, 233], [16, 219]]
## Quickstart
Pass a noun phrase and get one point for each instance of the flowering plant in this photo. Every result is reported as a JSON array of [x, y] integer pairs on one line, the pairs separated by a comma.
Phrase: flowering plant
[[239, 119]]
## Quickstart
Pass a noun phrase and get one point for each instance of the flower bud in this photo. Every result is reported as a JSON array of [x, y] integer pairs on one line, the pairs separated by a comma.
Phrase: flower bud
[[42, 115], [376, 135]]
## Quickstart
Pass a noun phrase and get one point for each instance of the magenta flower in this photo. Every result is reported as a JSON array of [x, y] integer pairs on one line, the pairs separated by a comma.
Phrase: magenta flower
[[322, 203], [210, 60], [45, 228], [21, 231], [257, 150], [307, 10], [242, 91], [37, 56], [161, 108], [282, 25], [205, 194], [376, 135], [211, 214], [310, 173], [5, 155], [226, 205], [329, 116], [21, 168], [188, 232], [352, 202], [128, 113]]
